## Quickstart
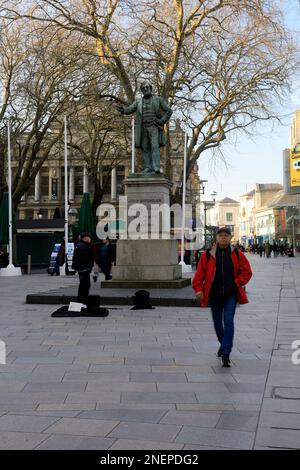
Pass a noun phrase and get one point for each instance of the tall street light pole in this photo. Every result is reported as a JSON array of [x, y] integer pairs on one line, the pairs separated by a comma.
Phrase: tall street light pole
[[10, 270], [66, 198], [185, 268], [207, 205], [205, 209], [132, 146]]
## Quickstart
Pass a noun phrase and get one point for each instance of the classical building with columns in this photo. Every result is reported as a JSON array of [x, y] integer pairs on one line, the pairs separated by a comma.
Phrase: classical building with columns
[[47, 193]]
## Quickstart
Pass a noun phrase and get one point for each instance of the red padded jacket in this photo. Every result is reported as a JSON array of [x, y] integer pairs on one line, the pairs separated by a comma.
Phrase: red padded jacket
[[206, 270]]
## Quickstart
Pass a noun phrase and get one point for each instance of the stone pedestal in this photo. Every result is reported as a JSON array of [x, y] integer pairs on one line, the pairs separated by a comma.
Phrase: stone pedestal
[[152, 260], [146, 264], [152, 193]]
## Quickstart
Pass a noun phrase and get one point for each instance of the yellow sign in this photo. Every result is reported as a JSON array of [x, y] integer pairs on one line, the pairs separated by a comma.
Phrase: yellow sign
[[295, 167]]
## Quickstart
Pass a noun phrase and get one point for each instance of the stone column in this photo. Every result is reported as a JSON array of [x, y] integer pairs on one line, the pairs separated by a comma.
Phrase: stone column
[[23, 198], [37, 187], [50, 174], [71, 184], [85, 180], [114, 184]]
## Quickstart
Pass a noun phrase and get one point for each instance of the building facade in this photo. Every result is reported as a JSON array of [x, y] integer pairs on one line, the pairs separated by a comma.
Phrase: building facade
[[294, 137], [46, 196], [265, 215], [246, 217], [257, 218], [225, 213]]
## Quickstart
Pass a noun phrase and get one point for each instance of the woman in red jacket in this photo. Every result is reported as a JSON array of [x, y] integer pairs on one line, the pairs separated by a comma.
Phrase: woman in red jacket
[[221, 274]]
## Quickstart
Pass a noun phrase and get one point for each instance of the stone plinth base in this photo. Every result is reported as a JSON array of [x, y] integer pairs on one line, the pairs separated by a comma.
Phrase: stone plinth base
[[151, 273], [149, 197], [144, 261], [175, 284]]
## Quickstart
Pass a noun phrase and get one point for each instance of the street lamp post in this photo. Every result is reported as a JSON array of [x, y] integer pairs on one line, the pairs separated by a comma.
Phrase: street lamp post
[[185, 268], [213, 195], [208, 204], [132, 146], [66, 194], [10, 270], [294, 237], [202, 190], [205, 209]]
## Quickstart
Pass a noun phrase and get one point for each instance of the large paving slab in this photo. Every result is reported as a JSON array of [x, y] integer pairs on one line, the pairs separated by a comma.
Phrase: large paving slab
[[151, 379]]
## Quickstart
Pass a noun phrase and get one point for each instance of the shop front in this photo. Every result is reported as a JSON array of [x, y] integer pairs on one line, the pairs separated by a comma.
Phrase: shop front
[[265, 228]]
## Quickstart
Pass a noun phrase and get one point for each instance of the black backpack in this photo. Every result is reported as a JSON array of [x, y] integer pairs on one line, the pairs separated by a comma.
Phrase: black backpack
[[236, 250]]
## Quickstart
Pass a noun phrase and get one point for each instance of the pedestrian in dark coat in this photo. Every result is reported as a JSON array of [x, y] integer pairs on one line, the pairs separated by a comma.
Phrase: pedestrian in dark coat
[[106, 256], [83, 261], [220, 277]]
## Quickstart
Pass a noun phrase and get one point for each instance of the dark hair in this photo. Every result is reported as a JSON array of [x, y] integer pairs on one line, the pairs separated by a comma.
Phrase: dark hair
[[85, 234], [224, 230]]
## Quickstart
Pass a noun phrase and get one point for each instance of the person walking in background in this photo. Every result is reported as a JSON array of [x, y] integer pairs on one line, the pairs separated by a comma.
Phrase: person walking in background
[[220, 277], [106, 256], [268, 250], [83, 261]]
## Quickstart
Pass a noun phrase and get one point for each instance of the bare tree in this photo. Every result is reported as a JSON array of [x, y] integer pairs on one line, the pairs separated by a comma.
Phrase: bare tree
[[41, 91], [100, 138], [222, 64], [11, 58]]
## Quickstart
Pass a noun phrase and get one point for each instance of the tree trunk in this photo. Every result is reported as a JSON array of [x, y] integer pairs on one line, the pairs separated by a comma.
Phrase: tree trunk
[[168, 166], [98, 194]]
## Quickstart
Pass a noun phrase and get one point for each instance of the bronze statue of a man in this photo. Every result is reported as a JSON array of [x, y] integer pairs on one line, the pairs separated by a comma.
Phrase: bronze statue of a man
[[152, 112]]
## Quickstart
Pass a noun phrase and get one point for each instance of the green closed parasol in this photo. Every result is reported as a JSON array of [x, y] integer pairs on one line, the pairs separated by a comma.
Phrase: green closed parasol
[[86, 220]]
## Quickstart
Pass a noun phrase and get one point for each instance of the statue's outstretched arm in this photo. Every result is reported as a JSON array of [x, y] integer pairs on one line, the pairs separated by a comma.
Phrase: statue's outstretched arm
[[128, 109]]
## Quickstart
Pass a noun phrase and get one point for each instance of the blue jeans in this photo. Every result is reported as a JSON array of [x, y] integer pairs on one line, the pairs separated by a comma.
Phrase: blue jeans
[[223, 310]]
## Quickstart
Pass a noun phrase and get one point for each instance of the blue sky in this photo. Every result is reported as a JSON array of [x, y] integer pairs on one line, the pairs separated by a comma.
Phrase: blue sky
[[257, 160]]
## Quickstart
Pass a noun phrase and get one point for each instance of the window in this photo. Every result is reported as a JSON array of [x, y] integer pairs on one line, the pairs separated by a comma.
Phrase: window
[[31, 190], [229, 217], [45, 183], [106, 179], [78, 180], [54, 188], [29, 214], [120, 189]]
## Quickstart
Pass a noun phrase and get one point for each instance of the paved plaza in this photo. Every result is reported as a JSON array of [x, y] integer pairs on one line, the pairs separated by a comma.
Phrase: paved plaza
[[150, 379]]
